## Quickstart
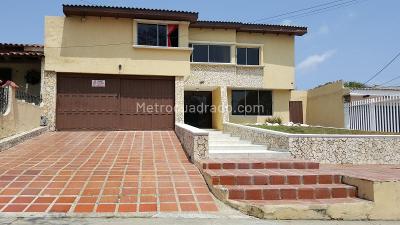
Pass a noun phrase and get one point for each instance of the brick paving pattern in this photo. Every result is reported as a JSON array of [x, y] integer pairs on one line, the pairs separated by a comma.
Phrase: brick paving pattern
[[101, 172]]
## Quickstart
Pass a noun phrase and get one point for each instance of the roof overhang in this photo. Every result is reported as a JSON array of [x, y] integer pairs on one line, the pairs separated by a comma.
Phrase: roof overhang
[[253, 28], [126, 12]]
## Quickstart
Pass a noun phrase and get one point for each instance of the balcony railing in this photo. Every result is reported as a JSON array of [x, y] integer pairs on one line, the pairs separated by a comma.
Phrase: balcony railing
[[21, 95], [3, 100]]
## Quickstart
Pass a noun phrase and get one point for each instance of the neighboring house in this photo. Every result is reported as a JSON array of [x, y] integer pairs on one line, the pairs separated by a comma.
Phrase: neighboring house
[[373, 108], [102, 61], [20, 75], [21, 63]]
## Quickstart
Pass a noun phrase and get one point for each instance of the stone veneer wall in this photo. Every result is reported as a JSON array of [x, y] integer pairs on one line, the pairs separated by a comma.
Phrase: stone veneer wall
[[193, 140], [337, 149], [224, 75], [179, 99], [49, 96], [273, 141]]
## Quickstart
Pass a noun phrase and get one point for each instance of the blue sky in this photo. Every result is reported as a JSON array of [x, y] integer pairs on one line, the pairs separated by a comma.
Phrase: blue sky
[[349, 43]]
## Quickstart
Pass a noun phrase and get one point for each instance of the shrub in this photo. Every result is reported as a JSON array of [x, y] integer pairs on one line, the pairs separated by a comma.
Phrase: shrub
[[274, 119]]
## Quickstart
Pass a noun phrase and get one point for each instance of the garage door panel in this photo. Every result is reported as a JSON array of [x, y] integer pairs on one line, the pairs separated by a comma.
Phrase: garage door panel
[[115, 105]]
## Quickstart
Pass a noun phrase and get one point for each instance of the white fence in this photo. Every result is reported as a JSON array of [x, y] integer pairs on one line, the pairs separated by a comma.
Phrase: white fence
[[374, 114]]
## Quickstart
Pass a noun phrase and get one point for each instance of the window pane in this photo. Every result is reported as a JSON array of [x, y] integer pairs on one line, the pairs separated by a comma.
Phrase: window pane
[[200, 53], [238, 102], [253, 56], [252, 103], [220, 54], [162, 35], [266, 103], [241, 56], [147, 34], [173, 34]]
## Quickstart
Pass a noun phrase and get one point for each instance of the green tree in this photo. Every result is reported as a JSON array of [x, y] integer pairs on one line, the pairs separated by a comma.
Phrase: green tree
[[355, 84]]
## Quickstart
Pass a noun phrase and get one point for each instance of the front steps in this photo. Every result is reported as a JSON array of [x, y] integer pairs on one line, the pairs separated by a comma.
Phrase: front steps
[[282, 189], [223, 145]]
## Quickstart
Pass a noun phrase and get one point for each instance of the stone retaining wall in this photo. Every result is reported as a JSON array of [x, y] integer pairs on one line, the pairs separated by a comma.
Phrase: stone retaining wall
[[193, 140], [14, 140], [338, 149]]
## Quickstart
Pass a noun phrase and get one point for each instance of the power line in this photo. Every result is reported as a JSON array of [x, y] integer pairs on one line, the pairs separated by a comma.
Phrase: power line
[[296, 11], [383, 68], [322, 10], [389, 81]]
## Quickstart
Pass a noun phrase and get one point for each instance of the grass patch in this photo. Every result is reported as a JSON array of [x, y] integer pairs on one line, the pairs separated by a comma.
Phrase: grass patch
[[316, 130]]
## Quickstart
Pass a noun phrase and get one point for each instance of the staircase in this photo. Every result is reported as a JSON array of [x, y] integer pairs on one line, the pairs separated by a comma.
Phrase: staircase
[[222, 145], [252, 184]]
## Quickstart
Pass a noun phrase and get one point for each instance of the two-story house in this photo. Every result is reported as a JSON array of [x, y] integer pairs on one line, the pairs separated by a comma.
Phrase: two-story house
[[115, 68]]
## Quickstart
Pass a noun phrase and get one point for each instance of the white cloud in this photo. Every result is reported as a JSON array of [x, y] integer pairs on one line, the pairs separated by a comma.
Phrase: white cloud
[[312, 61], [286, 22]]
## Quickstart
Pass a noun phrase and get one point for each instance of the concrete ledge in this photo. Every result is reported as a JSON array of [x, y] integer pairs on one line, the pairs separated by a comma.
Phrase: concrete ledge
[[14, 140], [194, 141]]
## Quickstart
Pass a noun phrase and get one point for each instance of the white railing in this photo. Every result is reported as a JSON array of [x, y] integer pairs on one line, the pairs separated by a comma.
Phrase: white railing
[[374, 114]]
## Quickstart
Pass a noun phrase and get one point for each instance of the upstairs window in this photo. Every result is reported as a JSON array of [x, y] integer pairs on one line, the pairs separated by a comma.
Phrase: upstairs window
[[158, 35], [211, 53], [248, 56]]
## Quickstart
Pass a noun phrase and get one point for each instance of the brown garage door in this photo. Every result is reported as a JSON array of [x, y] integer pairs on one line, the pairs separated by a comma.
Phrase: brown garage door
[[88, 102]]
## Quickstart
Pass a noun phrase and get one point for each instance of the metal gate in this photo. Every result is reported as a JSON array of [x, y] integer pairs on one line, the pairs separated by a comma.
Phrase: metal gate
[[110, 102]]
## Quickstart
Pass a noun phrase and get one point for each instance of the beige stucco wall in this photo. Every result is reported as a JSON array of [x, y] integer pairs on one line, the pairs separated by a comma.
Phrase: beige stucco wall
[[100, 45], [280, 108], [325, 105], [217, 114], [297, 95], [20, 117], [19, 71], [277, 52], [277, 57]]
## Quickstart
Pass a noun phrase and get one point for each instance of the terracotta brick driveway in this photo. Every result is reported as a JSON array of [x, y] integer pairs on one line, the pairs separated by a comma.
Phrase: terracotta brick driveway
[[101, 172]]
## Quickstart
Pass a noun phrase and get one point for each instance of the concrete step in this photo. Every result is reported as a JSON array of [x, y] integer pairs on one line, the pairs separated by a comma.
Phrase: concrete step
[[247, 154], [287, 192], [257, 164], [270, 177], [235, 147]]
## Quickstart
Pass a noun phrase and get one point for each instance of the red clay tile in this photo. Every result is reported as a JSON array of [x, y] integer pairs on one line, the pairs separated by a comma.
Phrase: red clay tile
[[208, 207], [288, 194], [253, 194], [85, 208], [60, 208], [273, 194], [339, 192], [276, 180], [293, 180], [148, 207], [309, 179], [23, 200], [188, 207], [306, 193], [106, 208], [14, 208], [325, 179], [61, 200], [168, 207], [37, 208], [127, 208], [322, 193]]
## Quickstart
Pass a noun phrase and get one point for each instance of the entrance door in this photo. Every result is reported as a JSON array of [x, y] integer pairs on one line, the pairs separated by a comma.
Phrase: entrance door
[[296, 111], [198, 108]]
